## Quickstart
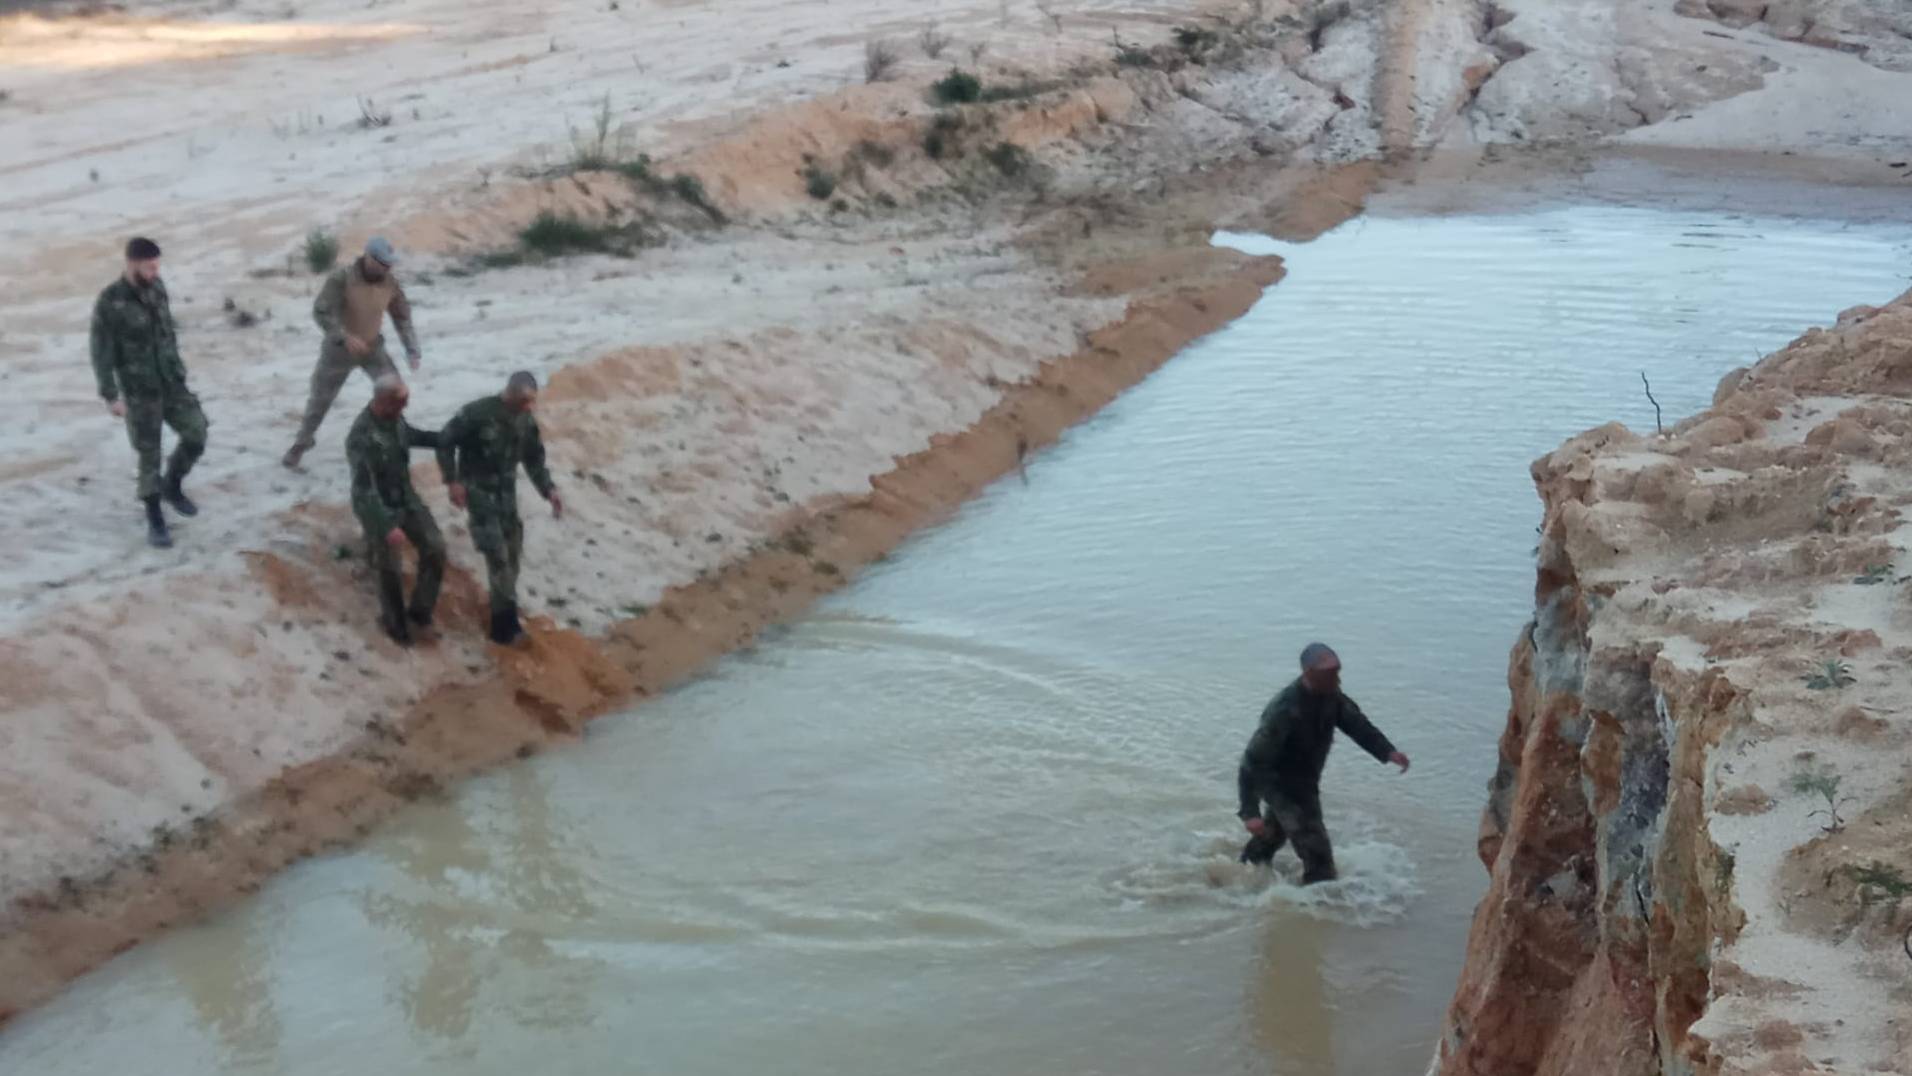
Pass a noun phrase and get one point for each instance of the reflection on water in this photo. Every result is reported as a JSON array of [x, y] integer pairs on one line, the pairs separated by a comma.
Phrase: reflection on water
[[974, 816]]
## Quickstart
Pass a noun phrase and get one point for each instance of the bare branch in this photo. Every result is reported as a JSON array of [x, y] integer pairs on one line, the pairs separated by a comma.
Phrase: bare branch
[[1657, 424]]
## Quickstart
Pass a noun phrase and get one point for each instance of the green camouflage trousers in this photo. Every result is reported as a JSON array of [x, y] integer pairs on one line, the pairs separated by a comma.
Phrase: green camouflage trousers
[[417, 523], [499, 536], [144, 418], [328, 377]]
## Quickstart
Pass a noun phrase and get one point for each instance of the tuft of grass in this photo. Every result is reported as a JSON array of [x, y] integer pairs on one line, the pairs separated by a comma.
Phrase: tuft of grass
[[321, 250], [1831, 676], [600, 149], [880, 57], [819, 182], [957, 88], [933, 40], [1018, 91], [555, 235], [941, 140], [1877, 879], [1875, 574], [874, 152], [1010, 159], [691, 190], [1824, 783], [370, 115], [1195, 42]]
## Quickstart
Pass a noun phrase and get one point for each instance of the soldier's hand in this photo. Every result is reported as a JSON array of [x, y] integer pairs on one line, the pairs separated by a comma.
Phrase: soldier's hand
[[412, 359], [1255, 826], [1400, 760], [557, 505], [457, 492], [395, 537], [118, 407], [356, 346]]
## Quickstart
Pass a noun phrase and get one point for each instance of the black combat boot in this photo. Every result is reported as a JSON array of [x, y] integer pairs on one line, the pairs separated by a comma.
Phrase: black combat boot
[[176, 497], [505, 628], [400, 632], [419, 619], [157, 535]]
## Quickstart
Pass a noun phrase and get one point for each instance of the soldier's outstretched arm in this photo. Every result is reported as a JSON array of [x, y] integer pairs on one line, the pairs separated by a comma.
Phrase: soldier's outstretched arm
[[448, 438], [328, 310], [417, 438], [534, 464], [401, 312], [1362, 731], [104, 352]]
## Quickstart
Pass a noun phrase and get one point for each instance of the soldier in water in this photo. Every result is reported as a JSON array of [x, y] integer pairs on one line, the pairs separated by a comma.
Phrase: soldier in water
[[479, 452], [1280, 776], [379, 449], [350, 311], [143, 381]]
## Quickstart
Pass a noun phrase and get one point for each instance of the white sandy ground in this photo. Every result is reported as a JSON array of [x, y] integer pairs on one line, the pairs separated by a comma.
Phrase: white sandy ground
[[754, 369]]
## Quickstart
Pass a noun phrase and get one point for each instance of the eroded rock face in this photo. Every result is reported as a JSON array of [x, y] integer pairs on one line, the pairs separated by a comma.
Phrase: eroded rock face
[[1718, 612]]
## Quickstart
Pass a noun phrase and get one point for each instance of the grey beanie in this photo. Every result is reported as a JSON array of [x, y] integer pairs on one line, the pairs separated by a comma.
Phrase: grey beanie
[[379, 249]]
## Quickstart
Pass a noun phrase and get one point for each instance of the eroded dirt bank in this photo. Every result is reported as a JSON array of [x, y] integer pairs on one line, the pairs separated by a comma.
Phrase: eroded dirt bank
[[782, 382], [1698, 834]]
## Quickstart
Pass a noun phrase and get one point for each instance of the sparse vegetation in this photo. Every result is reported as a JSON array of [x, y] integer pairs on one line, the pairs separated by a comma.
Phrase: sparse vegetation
[[933, 40], [819, 182], [976, 51], [1878, 881], [1195, 42], [554, 235], [1824, 783], [880, 57], [1831, 676], [370, 115], [599, 149], [1018, 91], [957, 88], [1876, 574], [940, 140], [1010, 159], [321, 250], [1048, 9], [1127, 55], [874, 152]]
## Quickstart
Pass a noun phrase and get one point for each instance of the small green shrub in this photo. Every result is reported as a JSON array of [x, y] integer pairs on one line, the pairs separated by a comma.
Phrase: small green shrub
[[957, 88], [1824, 783], [875, 153], [818, 181], [554, 235], [1010, 159], [1878, 879], [1195, 42], [321, 250], [1831, 676], [941, 139]]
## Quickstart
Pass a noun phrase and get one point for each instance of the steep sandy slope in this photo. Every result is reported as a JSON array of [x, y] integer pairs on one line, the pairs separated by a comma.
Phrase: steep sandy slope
[[1698, 837]]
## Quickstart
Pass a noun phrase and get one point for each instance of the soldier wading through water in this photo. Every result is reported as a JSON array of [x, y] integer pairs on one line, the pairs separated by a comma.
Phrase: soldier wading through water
[[1281, 770], [143, 381], [479, 452]]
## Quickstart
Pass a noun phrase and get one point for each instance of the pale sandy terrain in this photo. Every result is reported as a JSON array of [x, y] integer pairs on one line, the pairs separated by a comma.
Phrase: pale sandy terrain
[[707, 396]]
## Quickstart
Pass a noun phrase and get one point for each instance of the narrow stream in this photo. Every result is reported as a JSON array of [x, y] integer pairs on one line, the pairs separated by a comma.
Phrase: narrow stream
[[974, 815]]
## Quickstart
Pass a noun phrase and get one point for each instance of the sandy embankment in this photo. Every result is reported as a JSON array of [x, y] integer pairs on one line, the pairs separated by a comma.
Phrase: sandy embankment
[[739, 417]]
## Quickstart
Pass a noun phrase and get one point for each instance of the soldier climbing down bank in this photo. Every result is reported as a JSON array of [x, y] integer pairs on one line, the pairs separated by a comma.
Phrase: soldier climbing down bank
[[1281, 769], [350, 311], [379, 450], [143, 381], [479, 452]]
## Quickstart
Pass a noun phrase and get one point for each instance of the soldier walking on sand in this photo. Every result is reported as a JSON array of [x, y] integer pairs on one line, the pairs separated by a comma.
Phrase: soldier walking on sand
[[479, 452], [379, 451], [351, 310], [1282, 766], [143, 380]]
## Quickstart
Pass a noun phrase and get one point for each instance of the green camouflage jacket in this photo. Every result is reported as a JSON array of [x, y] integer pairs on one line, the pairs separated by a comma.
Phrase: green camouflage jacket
[[380, 453], [1291, 745], [135, 349], [482, 447]]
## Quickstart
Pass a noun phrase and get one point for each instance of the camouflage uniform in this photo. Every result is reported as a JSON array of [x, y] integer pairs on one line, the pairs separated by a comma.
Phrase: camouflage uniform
[[136, 358], [482, 447], [379, 451], [336, 361], [1282, 769]]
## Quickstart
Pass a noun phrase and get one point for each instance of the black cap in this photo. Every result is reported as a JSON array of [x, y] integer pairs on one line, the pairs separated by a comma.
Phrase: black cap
[[141, 249]]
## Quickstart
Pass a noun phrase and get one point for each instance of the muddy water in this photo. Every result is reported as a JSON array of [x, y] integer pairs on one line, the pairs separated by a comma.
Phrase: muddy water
[[974, 816]]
